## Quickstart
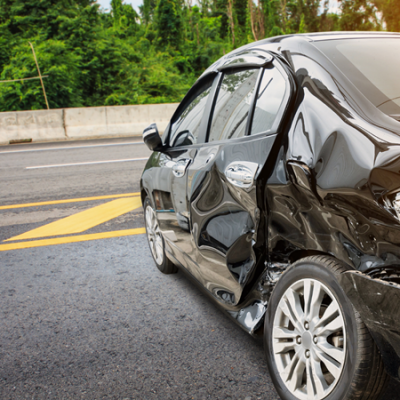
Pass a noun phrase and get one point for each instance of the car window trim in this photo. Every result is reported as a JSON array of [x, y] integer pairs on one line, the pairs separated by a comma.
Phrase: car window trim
[[221, 77], [250, 115], [284, 104], [279, 116], [208, 110], [267, 133], [184, 103], [285, 101], [212, 98], [247, 60]]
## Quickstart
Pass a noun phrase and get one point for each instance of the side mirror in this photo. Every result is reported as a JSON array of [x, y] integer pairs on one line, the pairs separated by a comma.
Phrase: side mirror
[[152, 138]]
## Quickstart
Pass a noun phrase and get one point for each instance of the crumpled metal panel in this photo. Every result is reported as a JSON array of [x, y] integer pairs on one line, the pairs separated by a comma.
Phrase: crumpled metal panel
[[326, 192], [378, 304], [251, 317], [225, 218]]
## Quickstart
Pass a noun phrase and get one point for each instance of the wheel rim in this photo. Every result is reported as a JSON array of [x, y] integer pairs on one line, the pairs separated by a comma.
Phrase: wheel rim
[[154, 235], [309, 340]]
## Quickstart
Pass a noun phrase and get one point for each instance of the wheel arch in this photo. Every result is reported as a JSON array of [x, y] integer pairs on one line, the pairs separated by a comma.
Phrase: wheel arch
[[300, 254], [293, 258], [144, 192]]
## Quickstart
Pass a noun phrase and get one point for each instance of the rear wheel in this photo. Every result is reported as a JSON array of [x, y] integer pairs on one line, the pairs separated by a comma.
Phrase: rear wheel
[[156, 240], [316, 344]]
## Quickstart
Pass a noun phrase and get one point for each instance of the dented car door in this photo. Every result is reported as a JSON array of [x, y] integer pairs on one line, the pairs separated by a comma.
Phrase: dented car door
[[222, 180]]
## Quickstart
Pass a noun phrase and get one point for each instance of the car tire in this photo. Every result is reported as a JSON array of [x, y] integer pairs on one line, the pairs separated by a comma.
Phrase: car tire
[[156, 241], [317, 346]]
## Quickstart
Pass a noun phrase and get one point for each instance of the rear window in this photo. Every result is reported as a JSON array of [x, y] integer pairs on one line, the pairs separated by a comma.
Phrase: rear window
[[372, 65]]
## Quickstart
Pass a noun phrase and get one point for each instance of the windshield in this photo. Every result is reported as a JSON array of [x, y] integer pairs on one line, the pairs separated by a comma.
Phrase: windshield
[[372, 65]]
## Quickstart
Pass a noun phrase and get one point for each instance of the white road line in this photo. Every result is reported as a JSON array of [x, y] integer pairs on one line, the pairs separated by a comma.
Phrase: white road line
[[71, 147], [87, 163]]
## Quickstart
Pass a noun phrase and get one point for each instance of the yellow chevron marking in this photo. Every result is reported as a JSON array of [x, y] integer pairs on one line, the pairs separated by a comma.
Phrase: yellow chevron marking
[[84, 220], [71, 239], [46, 203]]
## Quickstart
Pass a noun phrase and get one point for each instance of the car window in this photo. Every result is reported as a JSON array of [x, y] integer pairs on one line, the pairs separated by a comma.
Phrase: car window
[[372, 65], [233, 104], [269, 99], [185, 129]]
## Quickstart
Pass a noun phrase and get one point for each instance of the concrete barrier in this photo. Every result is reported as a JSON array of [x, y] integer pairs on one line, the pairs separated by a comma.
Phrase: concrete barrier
[[81, 123], [35, 125]]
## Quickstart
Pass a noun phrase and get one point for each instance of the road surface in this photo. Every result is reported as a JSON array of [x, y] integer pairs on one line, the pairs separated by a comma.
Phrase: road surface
[[84, 313]]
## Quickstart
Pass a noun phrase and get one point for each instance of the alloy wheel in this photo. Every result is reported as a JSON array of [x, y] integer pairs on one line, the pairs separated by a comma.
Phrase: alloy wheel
[[309, 340], [154, 235]]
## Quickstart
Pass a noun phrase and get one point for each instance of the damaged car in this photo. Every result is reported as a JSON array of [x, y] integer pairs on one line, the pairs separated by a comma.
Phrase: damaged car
[[276, 186]]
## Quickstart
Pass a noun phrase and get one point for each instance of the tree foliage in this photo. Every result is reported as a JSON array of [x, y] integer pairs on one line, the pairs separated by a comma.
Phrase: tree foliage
[[92, 57]]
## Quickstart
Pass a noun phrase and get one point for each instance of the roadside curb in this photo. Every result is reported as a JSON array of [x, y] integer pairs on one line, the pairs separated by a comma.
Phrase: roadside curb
[[82, 123]]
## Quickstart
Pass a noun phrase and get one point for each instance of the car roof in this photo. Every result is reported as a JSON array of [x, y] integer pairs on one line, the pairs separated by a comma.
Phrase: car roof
[[272, 43], [318, 36], [321, 36]]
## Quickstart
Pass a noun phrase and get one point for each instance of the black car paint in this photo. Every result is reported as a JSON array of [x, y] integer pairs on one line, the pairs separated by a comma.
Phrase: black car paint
[[377, 302], [320, 191]]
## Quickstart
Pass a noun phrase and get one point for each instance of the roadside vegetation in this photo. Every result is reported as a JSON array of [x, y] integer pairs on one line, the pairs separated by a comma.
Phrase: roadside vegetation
[[94, 58]]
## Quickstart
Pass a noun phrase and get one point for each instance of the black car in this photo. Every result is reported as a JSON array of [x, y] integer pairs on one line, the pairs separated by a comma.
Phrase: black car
[[276, 186]]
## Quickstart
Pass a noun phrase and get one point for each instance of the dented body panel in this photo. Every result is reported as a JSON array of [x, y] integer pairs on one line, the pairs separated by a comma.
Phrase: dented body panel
[[324, 181], [377, 302], [338, 166]]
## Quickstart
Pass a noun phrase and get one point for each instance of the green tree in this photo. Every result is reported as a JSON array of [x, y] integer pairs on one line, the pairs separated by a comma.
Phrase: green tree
[[168, 23], [62, 84], [94, 57], [273, 25], [116, 7], [147, 10], [391, 13], [358, 15]]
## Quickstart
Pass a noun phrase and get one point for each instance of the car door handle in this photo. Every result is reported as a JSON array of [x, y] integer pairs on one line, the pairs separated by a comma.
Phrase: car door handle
[[241, 173], [239, 176], [179, 168]]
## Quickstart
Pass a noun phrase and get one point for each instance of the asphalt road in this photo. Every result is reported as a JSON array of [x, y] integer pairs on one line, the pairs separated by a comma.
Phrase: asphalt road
[[21, 185], [93, 318]]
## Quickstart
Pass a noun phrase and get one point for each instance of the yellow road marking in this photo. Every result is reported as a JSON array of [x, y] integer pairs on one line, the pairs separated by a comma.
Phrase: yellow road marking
[[46, 203], [84, 220], [71, 239]]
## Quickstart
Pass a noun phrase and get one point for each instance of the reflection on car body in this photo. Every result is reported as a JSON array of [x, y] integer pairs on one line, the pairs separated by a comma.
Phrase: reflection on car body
[[277, 186]]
